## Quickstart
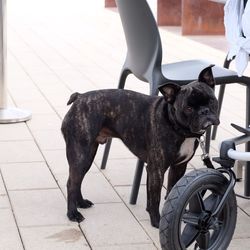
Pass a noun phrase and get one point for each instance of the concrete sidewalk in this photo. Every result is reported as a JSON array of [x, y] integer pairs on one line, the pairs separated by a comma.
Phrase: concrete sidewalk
[[56, 48]]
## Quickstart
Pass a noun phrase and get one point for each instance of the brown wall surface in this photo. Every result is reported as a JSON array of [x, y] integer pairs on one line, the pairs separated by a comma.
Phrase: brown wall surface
[[169, 12], [201, 17], [109, 3]]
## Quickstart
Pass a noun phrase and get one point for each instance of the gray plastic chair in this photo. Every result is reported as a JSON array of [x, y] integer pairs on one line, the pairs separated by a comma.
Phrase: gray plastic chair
[[144, 60]]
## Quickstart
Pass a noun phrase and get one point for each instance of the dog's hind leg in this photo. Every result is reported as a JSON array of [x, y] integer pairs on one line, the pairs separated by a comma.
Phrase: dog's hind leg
[[80, 158]]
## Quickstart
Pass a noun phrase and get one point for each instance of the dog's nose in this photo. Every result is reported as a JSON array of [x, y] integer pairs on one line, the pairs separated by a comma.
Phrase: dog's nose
[[216, 121], [204, 111]]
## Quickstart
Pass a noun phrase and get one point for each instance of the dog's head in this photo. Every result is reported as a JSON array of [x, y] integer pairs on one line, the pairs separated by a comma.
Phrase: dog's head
[[193, 106]]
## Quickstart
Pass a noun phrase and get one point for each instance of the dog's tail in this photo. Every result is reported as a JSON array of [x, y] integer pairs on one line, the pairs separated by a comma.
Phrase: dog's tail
[[72, 98]]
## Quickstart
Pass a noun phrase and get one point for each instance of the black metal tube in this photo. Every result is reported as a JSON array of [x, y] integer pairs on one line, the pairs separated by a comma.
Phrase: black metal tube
[[231, 184]]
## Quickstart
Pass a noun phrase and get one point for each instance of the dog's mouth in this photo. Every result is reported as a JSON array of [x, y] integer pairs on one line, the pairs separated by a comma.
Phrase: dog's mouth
[[210, 122], [207, 125], [202, 131]]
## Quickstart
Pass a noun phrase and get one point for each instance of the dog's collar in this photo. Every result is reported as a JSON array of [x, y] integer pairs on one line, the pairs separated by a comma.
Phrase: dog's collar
[[179, 128]]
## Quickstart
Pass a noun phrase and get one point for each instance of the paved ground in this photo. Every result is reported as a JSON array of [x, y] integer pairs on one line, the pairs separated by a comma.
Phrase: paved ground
[[55, 48]]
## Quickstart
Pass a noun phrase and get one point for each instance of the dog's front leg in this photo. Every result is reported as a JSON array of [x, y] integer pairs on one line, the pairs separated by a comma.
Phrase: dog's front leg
[[155, 178], [175, 173]]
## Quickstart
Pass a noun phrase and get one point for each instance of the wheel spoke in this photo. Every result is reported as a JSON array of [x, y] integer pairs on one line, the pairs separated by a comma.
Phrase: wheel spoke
[[190, 218], [189, 235], [203, 240], [211, 202], [216, 226], [196, 203]]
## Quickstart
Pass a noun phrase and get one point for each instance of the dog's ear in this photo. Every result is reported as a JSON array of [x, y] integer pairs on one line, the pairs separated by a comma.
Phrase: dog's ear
[[206, 76], [169, 91]]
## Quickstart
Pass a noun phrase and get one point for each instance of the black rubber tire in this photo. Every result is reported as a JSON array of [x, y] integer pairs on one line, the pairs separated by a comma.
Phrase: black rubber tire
[[177, 201]]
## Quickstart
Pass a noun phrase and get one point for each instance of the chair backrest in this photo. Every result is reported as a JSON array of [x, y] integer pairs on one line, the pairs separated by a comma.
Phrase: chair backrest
[[144, 50]]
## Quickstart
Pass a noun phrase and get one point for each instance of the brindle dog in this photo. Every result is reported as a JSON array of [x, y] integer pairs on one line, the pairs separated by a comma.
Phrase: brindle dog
[[161, 131]]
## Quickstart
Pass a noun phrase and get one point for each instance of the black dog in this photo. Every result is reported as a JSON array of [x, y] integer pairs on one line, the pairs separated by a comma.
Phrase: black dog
[[161, 131]]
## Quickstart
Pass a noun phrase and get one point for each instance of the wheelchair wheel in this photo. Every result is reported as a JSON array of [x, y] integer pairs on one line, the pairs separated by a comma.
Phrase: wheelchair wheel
[[186, 221]]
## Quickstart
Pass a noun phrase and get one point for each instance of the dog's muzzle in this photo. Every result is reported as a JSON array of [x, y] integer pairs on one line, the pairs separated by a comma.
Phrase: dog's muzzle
[[211, 121]]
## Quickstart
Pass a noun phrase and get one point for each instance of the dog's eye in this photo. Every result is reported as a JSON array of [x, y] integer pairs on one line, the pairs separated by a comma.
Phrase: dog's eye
[[189, 109]]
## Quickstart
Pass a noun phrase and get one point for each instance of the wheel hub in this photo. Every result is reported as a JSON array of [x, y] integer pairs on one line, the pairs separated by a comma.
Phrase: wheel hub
[[205, 222]]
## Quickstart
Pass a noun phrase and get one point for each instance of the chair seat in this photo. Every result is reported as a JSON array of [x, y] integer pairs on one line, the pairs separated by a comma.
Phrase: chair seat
[[187, 71]]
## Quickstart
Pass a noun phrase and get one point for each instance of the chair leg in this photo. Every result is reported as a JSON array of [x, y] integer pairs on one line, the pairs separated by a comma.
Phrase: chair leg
[[220, 100], [136, 182], [226, 65], [153, 89], [208, 139], [106, 154], [123, 78]]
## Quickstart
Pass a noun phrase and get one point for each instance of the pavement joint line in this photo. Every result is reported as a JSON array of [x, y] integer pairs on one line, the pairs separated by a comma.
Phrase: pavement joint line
[[243, 209], [21, 162], [13, 211]]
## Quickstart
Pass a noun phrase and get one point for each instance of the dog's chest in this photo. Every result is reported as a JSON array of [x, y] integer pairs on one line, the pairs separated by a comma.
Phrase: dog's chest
[[186, 150]]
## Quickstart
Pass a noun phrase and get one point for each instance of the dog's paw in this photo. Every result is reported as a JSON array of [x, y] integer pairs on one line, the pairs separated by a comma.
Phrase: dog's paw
[[75, 216], [155, 220], [84, 203], [155, 224]]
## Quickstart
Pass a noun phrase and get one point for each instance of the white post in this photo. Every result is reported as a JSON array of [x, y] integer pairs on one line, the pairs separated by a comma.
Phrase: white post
[[7, 115], [3, 54]]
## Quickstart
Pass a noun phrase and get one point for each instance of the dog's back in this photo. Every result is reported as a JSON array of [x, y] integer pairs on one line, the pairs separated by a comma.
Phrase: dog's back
[[93, 110]]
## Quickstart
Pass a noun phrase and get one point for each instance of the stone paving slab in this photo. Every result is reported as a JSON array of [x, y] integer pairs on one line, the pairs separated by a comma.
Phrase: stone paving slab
[[45, 122], [39, 207], [19, 151], [237, 244], [112, 224], [31, 175], [14, 132]]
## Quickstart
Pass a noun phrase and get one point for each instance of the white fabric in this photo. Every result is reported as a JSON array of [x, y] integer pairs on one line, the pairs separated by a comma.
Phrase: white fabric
[[237, 20]]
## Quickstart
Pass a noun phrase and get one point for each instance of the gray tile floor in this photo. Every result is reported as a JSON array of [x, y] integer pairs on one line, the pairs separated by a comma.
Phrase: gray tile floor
[[56, 48]]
